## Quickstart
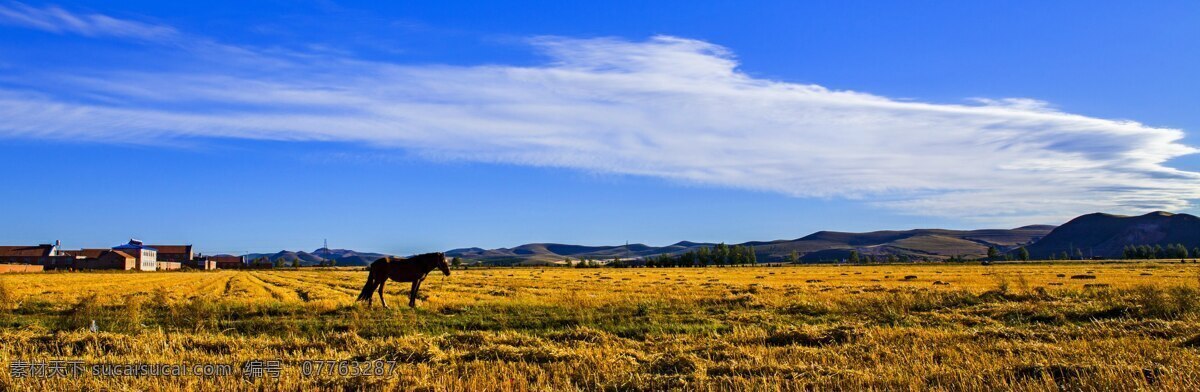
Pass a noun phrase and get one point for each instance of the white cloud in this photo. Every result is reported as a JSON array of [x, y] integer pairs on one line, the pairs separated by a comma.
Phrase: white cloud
[[666, 107], [57, 20]]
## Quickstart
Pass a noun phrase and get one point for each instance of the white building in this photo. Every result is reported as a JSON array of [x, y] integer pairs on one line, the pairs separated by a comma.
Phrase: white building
[[147, 257]]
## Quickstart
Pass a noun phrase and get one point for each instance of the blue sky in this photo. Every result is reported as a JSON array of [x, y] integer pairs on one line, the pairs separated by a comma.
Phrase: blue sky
[[409, 127]]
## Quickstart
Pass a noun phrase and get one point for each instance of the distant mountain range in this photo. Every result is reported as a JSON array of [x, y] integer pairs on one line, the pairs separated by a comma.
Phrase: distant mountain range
[[929, 244], [555, 253], [1093, 235], [341, 257]]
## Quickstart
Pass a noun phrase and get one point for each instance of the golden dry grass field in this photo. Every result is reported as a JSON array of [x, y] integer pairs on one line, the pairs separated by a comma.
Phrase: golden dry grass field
[[1113, 326]]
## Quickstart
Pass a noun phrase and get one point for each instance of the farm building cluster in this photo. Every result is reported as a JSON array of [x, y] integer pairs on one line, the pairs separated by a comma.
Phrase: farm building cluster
[[134, 255]]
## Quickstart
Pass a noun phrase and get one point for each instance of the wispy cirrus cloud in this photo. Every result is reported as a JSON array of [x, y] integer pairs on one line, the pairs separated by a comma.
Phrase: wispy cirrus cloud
[[666, 107], [58, 20]]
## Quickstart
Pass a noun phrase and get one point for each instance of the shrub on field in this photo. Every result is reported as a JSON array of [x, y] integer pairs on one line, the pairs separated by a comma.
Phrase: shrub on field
[[1031, 313], [163, 298], [743, 300], [125, 318], [720, 351], [1022, 284], [1063, 376], [505, 291], [754, 370], [805, 372], [1014, 334], [207, 344], [197, 313], [463, 340], [810, 337], [532, 354], [517, 339], [675, 363], [346, 340], [894, 308], [807, 309], [1170, 303], [130, 317], [581, 334], [1001, 285], [324, 306], [404, 350], [36, 306], [1185, 298], [301, 345], [1193, 342], [82, 313], [80, 343], [466, 340], [357, 384], [1106, 313], [8, 300], [884, 310]]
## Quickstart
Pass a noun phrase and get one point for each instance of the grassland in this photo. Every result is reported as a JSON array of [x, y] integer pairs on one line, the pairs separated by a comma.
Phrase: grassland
[[1116, 326]]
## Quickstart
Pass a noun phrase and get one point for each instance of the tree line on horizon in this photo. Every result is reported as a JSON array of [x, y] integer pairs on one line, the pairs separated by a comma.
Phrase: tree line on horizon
[[719, 255], [294, 263], [734, 255], [1135, 252], [1146, 252]]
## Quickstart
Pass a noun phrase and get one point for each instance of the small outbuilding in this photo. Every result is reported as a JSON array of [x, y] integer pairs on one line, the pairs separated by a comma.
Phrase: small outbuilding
[[228, 261], [174, 253]]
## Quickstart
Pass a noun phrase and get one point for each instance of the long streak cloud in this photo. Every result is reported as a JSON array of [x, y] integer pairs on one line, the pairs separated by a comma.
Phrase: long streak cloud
[[664, 107]]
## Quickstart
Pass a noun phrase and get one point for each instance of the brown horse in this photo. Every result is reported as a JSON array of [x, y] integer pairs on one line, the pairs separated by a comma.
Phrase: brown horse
[[413, 269]]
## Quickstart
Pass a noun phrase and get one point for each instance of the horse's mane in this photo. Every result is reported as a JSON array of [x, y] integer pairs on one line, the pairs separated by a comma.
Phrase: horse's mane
[[430, 254], [424, 257]]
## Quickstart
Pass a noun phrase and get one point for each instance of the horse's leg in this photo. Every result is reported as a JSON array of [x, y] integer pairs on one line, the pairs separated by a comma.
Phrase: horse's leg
[[412, 296], [381, 300], [370, 297]]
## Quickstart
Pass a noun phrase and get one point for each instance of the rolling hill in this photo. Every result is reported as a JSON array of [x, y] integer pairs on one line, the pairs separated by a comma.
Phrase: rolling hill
[[929, 244], [1106, 235]]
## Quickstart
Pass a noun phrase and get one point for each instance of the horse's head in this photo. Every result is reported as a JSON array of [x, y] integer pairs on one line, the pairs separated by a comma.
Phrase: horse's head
[[441, 263]]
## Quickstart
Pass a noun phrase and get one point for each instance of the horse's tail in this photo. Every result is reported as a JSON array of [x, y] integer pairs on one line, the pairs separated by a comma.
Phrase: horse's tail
[[372, 282]]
